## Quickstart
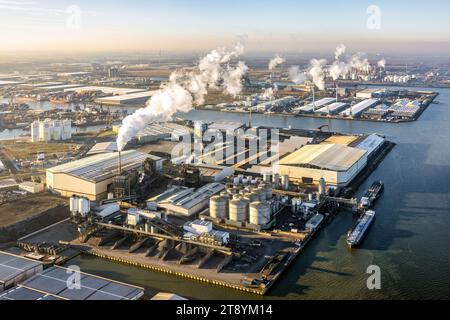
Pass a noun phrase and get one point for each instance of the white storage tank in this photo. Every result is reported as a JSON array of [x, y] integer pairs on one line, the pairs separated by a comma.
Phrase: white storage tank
[[261, 194], [74, 204], [238, 210], [218, 207], [268, 191], [84, 206], [260, 213], [322, 187], [252, 197]]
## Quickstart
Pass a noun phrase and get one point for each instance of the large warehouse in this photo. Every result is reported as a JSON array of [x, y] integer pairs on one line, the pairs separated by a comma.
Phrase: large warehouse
[[90, 177], [337, 164]]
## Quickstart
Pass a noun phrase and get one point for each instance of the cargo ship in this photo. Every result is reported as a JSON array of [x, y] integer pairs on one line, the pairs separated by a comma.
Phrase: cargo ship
[[355, 236], [369, 198]]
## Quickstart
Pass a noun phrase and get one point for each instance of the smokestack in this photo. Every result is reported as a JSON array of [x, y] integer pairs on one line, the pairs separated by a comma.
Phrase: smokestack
[[337, 94], [120, 163], [314, 98]]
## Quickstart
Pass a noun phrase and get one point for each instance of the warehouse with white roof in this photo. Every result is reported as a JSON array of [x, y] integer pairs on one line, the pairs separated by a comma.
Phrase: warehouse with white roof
[[90, 177], [337, 164]]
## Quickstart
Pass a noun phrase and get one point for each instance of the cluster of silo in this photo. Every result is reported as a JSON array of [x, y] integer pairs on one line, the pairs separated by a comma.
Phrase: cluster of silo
[[79, 205], [246, 200], [278, 182]]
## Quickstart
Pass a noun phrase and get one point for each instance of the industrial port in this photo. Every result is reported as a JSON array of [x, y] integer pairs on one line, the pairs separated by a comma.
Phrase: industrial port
[[236, 219], [245, 151]]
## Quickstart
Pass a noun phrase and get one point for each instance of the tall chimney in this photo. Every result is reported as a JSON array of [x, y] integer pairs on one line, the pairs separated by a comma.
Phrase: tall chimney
[[120, 163]]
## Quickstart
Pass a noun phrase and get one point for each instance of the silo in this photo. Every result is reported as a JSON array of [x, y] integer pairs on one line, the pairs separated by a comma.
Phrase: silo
[[74, 204], [268, 190], [218, 207], [260, 213], [267, 177], [285, 182], [238, 210], [252, 197], [322, 187], [261, 194], [84, 206], [276, 180], [236, 181], [57, 133]]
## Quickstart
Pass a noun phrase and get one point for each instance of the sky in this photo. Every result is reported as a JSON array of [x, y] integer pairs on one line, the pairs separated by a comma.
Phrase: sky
[[197, 25]]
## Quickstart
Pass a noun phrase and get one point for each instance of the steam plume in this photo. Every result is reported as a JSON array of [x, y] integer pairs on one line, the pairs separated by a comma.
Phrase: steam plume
[[340, 50], [382, 63], [185, 89], [297, 76], [276, 61], [317, 72]]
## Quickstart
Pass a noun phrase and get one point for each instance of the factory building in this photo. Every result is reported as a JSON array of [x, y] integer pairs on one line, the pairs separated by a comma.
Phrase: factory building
[[119, 100], [278, 103], [51, 130], [162, 131], [105, 90], [103, 147], [360, 107], [186, 201], [333, 108], [371, 93], [91, 177], [337, 164], [371, 144], [311, 107]]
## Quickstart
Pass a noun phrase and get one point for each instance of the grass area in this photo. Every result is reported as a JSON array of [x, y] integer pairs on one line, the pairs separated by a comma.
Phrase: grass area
[[107, 134], [20, 149], [28, 207]]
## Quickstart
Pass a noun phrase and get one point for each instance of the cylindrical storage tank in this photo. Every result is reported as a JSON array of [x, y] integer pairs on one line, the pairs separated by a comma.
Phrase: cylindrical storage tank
[[261, 194], [236, 181], [238, 210], [260, 213], [84, 206], [310, 197], [252, 197], [74, 204], [322, 187], [276, 180], [285, 182], [218, 207], [268, 191], [267, 177]]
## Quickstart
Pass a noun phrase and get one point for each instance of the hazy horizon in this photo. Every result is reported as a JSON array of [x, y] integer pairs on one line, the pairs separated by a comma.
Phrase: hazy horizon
[[182, 26]]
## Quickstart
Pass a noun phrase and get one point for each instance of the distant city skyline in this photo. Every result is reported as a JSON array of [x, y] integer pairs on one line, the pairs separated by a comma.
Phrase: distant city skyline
[[81, 26]]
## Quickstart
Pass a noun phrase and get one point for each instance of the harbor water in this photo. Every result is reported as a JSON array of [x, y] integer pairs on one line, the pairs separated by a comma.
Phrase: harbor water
[[408, 239]]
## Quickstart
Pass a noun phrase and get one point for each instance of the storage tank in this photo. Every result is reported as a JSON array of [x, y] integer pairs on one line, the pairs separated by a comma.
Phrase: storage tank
[[276, 180], [238, 210], [322, 187], [84, 206], [236, 181], [285, 182], [267, 177], [74, 204], [268, 191], [57, 130], [252, 197], [261, 194], [260, 213], [218, 207]]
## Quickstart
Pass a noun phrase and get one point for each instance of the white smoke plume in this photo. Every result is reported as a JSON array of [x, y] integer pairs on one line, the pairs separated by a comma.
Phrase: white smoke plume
[[340, 50], [276, 61], [317, 72], [360, 63], [269, 93], [338, 69], [185, 89], [296, 75], [382, 63]]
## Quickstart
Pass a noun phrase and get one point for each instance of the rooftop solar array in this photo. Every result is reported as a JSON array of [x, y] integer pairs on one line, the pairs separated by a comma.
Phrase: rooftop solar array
[[12, 266], [24, 294], [56, 282]]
